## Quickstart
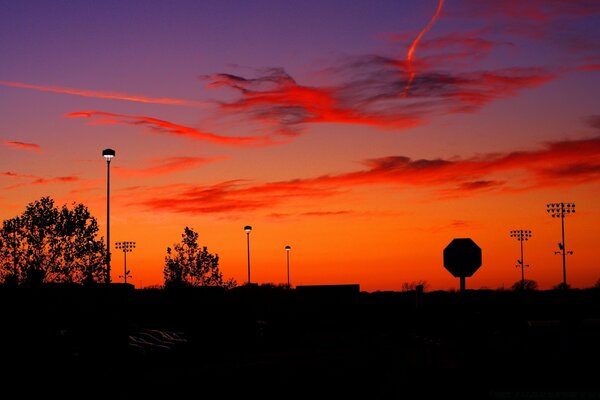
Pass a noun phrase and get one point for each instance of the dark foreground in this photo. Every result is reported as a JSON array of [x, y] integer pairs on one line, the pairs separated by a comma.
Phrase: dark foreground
[[323, 342]]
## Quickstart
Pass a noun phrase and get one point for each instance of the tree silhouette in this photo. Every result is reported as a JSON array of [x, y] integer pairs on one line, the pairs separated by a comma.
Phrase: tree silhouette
[[188, 264], [525, 285], [50, 244], [410, 286], [561, 286]]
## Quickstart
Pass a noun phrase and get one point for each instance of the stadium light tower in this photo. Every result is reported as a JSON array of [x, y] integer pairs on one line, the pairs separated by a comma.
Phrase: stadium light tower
[[560, 210], [127, 247], [521, 235]]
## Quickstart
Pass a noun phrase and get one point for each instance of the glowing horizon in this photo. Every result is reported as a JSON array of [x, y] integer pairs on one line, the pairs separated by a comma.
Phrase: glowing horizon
[[303, 123]]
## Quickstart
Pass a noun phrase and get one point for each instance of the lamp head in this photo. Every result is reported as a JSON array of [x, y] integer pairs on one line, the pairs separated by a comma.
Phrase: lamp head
[[108, 154], [248, 229], [288, 248]]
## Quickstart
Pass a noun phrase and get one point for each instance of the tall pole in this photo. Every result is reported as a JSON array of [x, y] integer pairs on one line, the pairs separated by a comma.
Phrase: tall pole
[[522, 267], [108, 220], [126, 247], [248, 229], [521, 235], [108, 154], [561, 210], [287, 250], [564, 249]]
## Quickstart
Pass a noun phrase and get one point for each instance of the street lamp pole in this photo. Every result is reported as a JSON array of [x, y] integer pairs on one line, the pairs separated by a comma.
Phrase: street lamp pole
[[287, 250], [521, 235], [127, 247], [560, 210], [248, 229], [108, 154]]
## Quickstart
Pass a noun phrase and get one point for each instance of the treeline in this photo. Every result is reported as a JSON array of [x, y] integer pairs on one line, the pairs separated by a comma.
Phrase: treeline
[[51, 244]]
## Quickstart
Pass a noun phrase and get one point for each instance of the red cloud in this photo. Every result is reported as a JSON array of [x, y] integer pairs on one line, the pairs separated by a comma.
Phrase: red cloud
[[326, 213], [472, 41], [565, 163], [166, 127], [10, 174], [105, 95], [22, 145], [534, 10], [590, 67], [59, 179], [166, 166], [275, 98], [400, 93], [373, 95], [37, 180]]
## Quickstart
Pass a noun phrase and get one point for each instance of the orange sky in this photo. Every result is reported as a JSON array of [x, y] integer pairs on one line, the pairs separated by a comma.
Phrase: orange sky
[[366, 137]]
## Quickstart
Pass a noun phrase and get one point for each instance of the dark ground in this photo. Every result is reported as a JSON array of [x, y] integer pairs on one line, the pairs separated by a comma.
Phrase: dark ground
[[269, 342]]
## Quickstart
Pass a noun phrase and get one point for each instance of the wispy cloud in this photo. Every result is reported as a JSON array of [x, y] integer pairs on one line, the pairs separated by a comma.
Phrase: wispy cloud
[[106, 95], [560, 163], [58, 179], [36, 180], [22, 145], [532, 10], [594, 121], [166, 166], [170, 128], [413, 46], [326, 213], [10, 174], [397, 93], [373, 93]]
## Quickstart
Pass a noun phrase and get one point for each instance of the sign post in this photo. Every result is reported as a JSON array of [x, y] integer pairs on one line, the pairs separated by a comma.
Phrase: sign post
[[462, 257]]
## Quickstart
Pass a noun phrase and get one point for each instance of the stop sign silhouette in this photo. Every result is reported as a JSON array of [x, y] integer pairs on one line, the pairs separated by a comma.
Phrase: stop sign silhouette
[[462, 257]]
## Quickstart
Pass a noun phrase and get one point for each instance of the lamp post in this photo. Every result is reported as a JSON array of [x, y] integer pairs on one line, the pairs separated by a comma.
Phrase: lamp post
[[108, 154], [521, 235], [287, 250], [127, 247], [248, 229], [560, 210]]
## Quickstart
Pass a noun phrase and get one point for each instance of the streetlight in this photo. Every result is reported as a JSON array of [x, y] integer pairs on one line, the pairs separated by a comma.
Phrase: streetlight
[[127, 247], [560, 210], [521, 235], [287, 250], [108, 154], [248, 229]]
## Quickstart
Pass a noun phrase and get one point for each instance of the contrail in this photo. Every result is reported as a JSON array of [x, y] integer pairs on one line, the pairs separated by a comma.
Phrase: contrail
[[413, 46], [106, 95]]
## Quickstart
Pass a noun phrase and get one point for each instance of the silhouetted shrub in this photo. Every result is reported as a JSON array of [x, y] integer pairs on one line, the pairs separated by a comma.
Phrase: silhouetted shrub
[[525, 285]]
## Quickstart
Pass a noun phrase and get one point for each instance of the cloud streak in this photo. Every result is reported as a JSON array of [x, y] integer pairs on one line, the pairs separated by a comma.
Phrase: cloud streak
[[166, 166], [22, 145], [400, 93], [169, 128], [411, 50], [532, 10], [372, 94], [106, 95], [560, 163], [36, 180]]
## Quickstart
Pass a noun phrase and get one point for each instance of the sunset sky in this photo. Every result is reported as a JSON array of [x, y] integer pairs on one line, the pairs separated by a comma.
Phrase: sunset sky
[[364, 134]]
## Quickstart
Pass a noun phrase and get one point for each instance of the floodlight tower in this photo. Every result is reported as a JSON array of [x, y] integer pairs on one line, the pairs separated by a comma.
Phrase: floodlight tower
[[521, 235], [560, 210]]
